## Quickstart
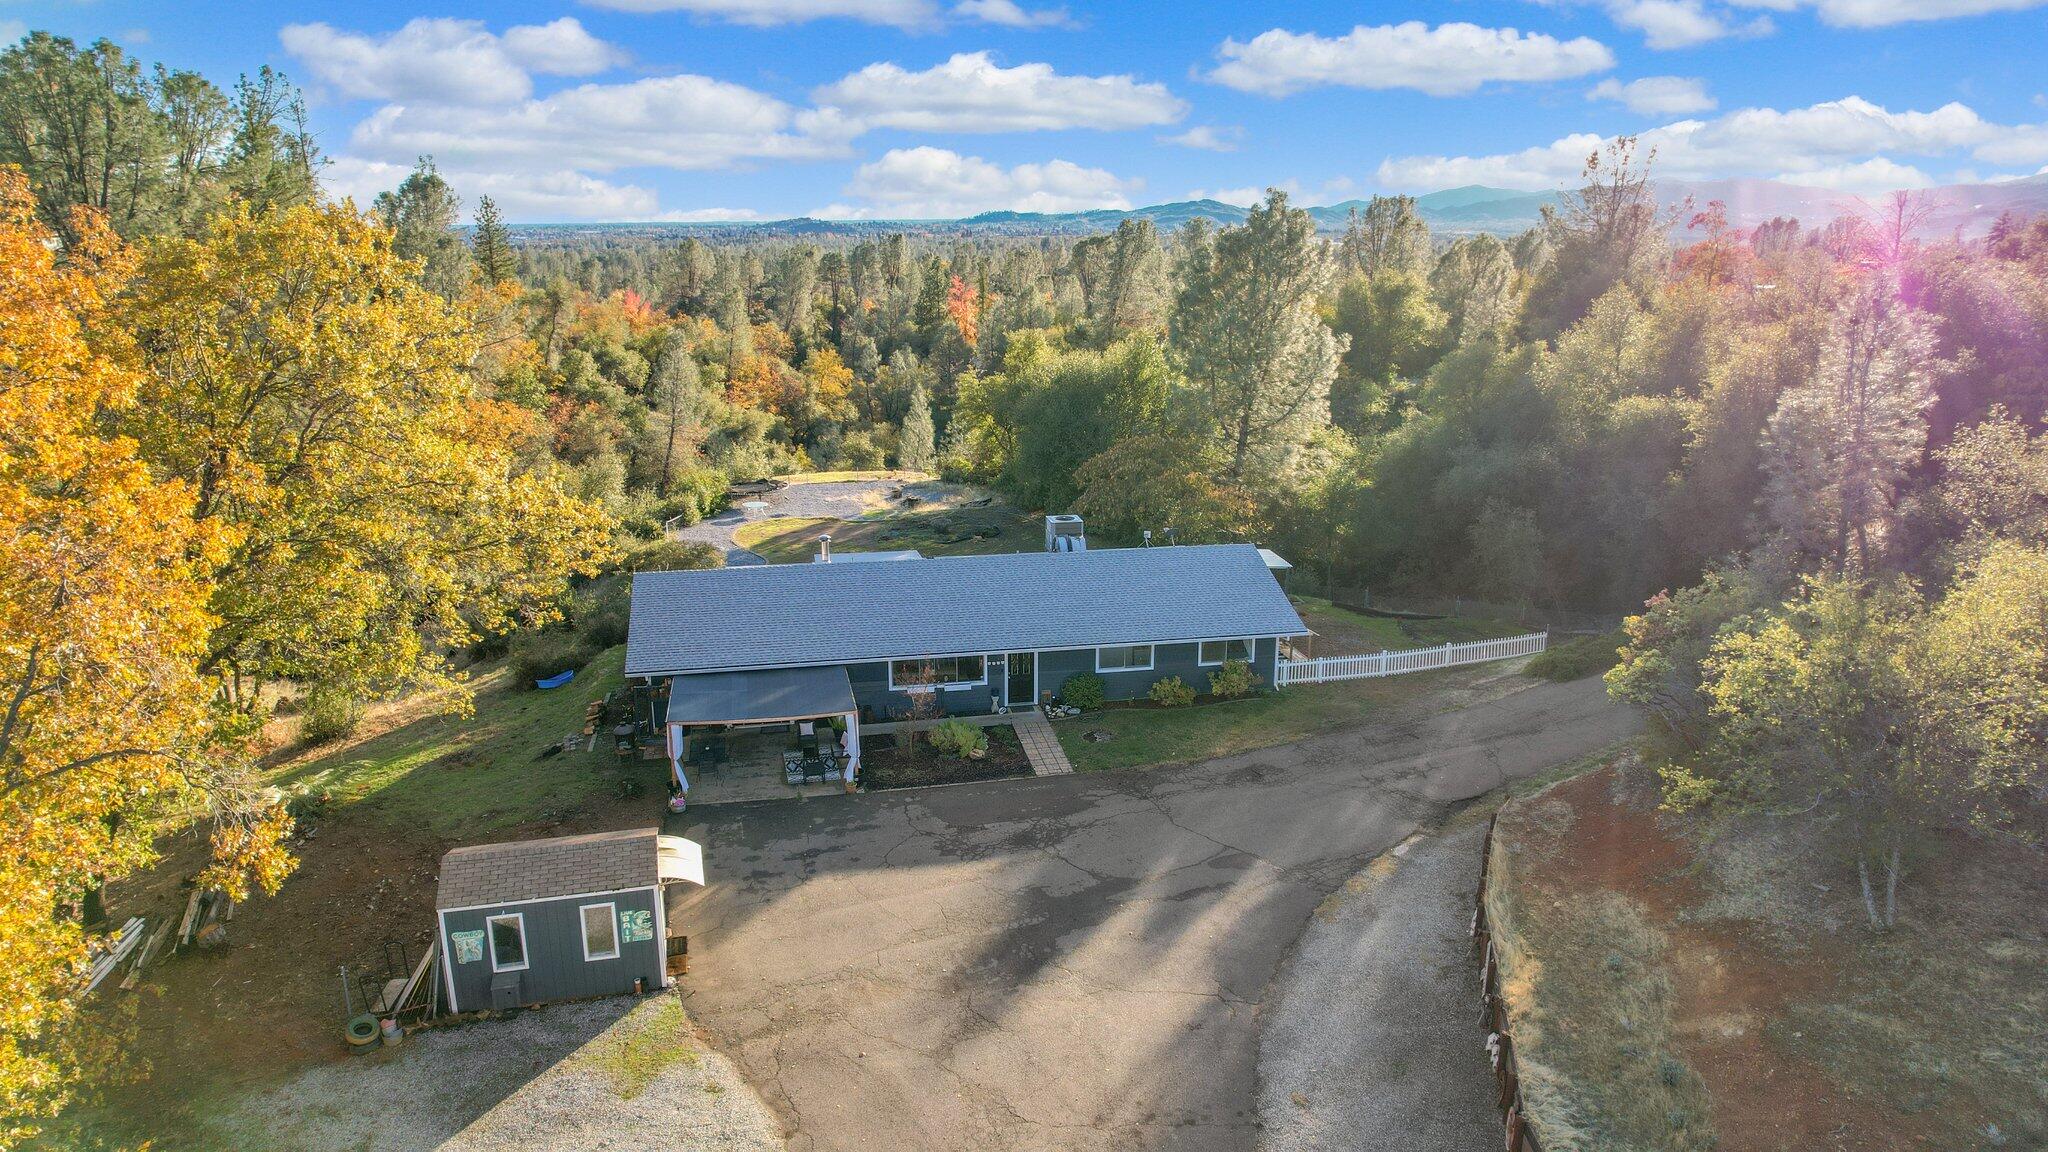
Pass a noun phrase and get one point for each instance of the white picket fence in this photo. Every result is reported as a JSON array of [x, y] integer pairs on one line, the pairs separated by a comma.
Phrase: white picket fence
[[1328, 668]]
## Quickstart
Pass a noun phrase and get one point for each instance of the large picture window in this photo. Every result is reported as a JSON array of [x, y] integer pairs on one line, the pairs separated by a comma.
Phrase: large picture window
[[1124, 658], [1216, 652], [937, 672], [508, 942], [600, 931]]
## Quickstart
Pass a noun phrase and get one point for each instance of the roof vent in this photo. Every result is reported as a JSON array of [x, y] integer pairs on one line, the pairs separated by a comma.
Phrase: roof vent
[[824, 549], [1063, 534]]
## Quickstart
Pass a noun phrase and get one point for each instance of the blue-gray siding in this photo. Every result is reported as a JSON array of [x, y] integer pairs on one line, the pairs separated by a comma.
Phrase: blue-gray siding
[[872, 693], [555, 968]]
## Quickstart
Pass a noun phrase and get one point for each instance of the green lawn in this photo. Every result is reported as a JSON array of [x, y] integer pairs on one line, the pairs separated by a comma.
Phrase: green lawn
[[932, 531], [1341, 629], [457, 775], [1147, 736]]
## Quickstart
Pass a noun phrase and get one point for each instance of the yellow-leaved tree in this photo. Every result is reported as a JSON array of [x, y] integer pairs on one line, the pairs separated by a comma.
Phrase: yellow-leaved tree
[[325, 405], [105, 731]]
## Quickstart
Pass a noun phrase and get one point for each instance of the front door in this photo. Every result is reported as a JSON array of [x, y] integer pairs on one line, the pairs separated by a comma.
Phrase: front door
[[1021, 690]]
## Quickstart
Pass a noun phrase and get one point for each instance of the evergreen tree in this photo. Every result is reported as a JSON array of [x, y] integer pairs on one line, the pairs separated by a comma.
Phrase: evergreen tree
[[916, 450], [421, 214], [490, 247]]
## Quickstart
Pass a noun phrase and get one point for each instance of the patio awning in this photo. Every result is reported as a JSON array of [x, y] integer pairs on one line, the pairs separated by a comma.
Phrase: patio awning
[[759, 697]]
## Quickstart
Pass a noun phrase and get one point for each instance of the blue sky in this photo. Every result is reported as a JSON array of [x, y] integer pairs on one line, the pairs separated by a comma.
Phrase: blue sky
[[645, 109]]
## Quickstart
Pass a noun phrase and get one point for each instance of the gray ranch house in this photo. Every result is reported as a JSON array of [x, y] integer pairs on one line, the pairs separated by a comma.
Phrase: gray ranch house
[[836, 642]]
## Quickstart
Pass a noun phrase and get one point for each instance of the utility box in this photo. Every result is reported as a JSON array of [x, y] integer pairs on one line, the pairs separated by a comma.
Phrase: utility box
[[1063, 533], [505, 991]]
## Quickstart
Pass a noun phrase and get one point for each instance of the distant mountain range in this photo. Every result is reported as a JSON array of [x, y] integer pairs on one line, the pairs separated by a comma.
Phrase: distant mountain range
[[1967, 209]]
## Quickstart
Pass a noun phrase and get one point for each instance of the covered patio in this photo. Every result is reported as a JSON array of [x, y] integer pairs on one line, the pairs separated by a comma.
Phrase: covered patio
[[762, 735]]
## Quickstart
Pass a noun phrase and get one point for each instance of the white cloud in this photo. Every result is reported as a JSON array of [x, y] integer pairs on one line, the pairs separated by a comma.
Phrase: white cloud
[[935, 183], [445, 60], [971, 93], [561, 48], [1881, 13], [1749, 142], [1680, 23], [1207, 138], [767, 13], [1448, 60], [11, 31], [1656, 95], [2023, 144], [1867, 177], [532, 197], [1010, 14], [679, 122]]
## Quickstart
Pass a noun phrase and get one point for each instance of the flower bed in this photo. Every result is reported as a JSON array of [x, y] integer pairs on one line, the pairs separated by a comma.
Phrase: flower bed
[[886, 763]]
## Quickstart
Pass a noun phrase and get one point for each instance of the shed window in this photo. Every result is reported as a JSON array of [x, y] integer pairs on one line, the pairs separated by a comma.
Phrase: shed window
[[600, 931], [937, 672], [508, 942], [1124, 658], [1220, 651]]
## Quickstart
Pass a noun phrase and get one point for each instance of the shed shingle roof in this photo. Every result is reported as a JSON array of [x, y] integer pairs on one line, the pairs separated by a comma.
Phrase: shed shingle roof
[[791, 615], [538, 869]]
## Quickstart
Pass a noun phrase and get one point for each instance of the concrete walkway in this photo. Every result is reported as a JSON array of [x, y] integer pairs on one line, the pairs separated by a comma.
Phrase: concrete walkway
[[1374, 1043], [1080, 963], [1041, 745]]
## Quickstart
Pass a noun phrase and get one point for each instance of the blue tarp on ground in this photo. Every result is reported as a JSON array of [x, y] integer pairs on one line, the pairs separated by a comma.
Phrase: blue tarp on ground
[[557, 680]]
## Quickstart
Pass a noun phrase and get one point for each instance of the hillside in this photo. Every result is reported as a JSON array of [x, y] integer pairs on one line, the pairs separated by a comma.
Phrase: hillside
[[1965, 208]]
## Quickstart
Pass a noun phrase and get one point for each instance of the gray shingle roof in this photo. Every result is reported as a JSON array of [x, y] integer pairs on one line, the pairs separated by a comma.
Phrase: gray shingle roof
[[783, 615], [538, 869], [767, 694]]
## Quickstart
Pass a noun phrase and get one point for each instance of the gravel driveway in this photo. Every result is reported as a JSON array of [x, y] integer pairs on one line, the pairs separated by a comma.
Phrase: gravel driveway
[[615, 1073], [1073, 962], [832, 500], [1373, 1042]]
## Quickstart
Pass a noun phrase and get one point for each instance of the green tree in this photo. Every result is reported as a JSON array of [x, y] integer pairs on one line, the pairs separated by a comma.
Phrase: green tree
[[1608, 232], [321, 404], [421, 214], [490, 246], [1123, 278], [915, 449], [83, 124], [1388, 237], [1395, 333], [1244, 330], [1815, 706], [1841, 443]]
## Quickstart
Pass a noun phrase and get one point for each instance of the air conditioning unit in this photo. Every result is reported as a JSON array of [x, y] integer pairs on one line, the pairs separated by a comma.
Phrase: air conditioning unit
[[1063, 534]]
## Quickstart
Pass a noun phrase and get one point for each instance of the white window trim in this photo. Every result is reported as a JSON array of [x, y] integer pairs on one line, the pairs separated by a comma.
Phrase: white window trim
[[948, 686], [1151, 658], [1251, 644], [611, 912], [491, 942]]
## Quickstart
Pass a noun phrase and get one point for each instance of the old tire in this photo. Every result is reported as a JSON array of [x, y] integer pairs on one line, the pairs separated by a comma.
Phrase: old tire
[[361, 1031]]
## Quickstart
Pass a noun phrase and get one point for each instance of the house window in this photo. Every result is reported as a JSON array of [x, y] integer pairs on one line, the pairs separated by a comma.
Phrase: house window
[[1124, 658], [1215, 652], [937, 672], [600, 931], [508, 942]]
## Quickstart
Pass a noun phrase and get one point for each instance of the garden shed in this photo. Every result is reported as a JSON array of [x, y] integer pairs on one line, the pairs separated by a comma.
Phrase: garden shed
[[561, 918]]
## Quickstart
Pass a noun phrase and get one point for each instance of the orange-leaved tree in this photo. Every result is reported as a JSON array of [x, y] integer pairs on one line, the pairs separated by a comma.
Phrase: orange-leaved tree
[[105, 723]]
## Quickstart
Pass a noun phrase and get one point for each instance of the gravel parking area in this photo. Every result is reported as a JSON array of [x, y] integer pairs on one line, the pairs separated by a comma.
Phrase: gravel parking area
[[1374, 1043], [832, 499], [617, 1073]]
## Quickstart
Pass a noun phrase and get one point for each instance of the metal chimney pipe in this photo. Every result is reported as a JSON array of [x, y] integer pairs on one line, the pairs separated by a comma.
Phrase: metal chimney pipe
[[825, 548], [1148, 537]]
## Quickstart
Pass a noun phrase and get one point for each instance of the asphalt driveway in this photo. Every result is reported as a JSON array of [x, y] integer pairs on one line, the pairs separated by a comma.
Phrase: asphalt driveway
[[1075, 962]]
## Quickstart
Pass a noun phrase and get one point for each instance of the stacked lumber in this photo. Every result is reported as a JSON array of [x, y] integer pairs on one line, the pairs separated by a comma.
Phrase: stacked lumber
[[124, 943]]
